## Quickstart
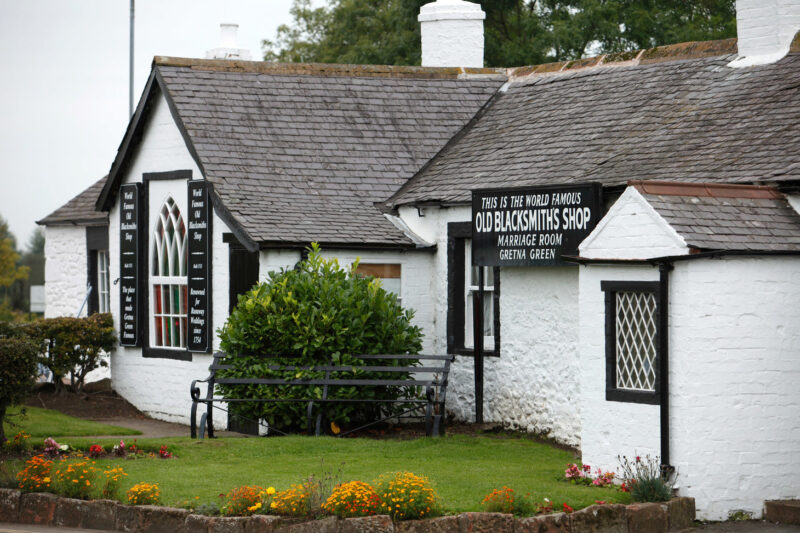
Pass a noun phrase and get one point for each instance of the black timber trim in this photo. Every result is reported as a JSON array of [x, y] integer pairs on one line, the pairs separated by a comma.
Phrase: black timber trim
[[613, 394], [705, 254], [96, 240], [97, 237], [144, 280], [185, 174], [227, 217], [457, 232], [133, 135]]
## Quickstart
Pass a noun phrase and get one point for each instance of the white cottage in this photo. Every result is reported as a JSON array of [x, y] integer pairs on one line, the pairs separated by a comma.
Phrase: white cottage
[[670, 329]]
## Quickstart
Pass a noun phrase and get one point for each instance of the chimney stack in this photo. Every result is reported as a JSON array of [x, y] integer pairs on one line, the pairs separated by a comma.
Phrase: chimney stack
[[228, 46], [452, 34], [765, 29]]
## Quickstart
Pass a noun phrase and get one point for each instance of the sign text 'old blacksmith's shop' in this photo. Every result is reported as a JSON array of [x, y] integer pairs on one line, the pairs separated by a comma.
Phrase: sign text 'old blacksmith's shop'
[[532, 226]]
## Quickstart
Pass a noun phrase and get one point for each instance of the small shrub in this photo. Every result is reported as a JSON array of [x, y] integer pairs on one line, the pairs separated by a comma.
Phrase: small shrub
[[17, 374], [95, 450], [113, 477], [351, 499], [407, 496], [163, 452], [35, 477], [309, 315], [74, 479], [582, 475], [506, 501], [18, 443], [295, 501], [54, 449], [247, 500], [644, 479], [144, 494]]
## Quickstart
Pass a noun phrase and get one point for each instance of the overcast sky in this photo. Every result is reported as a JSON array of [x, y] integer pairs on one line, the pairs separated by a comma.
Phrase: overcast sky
[[64, 84]]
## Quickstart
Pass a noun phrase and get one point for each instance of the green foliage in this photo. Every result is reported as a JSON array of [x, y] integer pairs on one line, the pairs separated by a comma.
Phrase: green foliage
[[645, 480], [518, 32], [40, 423], [17, 374], [73, 346], [307, 316]]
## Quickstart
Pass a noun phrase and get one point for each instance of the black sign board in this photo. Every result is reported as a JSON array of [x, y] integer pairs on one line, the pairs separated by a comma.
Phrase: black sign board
[[129, 256], [199, 271], [532, 226]]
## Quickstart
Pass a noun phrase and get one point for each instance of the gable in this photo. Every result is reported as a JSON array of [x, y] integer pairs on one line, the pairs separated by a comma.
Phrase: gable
[[632, 229]]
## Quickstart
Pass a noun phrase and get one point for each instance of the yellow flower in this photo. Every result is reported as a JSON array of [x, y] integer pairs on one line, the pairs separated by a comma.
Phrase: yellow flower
[[270, 490]]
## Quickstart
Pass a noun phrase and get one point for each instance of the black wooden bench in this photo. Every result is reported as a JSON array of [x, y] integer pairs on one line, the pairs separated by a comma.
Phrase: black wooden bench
[[430, 377]]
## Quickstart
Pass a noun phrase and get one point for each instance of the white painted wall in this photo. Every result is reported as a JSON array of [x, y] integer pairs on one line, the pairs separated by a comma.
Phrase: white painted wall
[[275, 260], [533, 385], [632, 229], [765, 30], [65, 270], [160, 387], [452, 34]]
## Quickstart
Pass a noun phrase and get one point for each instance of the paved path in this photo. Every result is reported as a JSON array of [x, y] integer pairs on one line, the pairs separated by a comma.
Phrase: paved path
[[150, 428], [749, 526], [26, 528]]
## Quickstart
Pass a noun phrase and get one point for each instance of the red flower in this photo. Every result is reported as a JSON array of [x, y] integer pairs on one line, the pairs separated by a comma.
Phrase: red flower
[[567, 508]]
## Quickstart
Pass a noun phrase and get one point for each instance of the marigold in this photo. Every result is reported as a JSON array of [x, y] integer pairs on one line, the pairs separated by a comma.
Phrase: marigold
[[407, 496]]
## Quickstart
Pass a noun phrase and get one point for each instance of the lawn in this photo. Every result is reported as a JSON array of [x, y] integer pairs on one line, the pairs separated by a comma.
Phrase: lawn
[[464, 469], [41, 423]]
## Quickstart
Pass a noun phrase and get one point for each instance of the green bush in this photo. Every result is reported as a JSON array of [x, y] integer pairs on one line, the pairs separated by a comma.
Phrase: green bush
[[73, 346], [645, 479], [17, 374], [307, 316]]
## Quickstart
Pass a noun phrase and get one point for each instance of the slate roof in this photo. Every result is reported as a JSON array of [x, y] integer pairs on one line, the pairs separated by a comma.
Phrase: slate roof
[[726, 217], [301, 152], [80, 210], [654, 117]]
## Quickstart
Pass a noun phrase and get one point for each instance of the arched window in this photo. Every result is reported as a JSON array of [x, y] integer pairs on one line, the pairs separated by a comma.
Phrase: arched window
[[168, 279]]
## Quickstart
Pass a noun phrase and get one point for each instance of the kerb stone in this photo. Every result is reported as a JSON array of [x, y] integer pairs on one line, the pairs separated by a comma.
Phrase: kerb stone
[[326, 525], [443, 524], [163, 519], [197, 523], [681, 512], [100, 514], [647, 518], [599, 519], [37, 508], [9, 505], [227, 525], [261, 524], [69, 512], [485, 522], [549, 523], [367, 524]]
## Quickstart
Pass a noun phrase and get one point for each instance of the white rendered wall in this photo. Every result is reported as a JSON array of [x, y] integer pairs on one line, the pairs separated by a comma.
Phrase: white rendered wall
[[275, 260], [452, 34], [765, 30], [632, 229], [533, 385], [65, 270], [160, 387]]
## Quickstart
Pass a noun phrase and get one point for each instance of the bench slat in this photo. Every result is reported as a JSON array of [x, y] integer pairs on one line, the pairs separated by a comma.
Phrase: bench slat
[[335, 382], [398, 369]]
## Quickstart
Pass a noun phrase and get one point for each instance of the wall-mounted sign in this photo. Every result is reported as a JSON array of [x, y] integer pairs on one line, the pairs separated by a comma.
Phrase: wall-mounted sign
[[129, 257], [533, 226], [199, 271]]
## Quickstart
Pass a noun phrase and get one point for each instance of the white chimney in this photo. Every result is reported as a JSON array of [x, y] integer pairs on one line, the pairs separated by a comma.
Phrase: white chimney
[[228, 46], [452, 34], [765, 29]]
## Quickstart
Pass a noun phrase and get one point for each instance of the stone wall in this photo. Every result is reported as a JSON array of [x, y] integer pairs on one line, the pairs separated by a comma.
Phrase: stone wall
[[50, 510], [65, 270]]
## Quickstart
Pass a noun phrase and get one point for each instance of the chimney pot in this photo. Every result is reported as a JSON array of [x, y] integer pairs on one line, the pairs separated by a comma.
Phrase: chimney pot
[[228, 45]]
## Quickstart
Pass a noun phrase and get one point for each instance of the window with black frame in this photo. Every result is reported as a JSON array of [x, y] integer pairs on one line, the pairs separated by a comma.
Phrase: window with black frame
[[462, 294], [632, 344]]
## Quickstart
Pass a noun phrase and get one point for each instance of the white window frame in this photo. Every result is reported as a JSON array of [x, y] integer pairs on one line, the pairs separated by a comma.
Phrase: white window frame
[[103, 283], [471, 289], [168, 274]]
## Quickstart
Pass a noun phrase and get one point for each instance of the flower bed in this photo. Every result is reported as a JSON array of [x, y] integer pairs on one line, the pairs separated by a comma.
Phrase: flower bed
[[47, 509]]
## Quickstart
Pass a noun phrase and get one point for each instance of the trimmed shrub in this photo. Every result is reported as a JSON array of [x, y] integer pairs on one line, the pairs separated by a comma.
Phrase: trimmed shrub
[[407, 496], [307, 316], [17, 374]]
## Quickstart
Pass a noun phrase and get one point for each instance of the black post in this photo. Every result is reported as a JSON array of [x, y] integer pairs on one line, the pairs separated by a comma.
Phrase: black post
[[663, 367], [477, 331]]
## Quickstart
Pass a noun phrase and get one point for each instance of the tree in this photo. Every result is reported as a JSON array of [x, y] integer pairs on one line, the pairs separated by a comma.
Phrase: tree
[[11, 272], [518, 32], [17, 373]]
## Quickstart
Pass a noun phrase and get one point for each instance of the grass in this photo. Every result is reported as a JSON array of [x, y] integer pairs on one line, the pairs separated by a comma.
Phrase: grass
[[41, 423], [464, 469]]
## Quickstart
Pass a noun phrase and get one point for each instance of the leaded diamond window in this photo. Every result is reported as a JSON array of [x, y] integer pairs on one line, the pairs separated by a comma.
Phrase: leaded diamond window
[[632, 340], [636, 341]]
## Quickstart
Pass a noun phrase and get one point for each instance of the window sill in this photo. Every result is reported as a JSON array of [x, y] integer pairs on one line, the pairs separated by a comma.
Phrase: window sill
[[629, 396], [469, 352], [165, 353]]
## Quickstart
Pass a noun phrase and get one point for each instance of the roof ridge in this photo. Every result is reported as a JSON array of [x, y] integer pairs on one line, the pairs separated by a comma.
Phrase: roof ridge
[[327, 69], [705, 189], [658, 54]]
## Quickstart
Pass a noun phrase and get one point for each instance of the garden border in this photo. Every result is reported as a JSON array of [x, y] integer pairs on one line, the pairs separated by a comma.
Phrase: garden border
[[50, 510]]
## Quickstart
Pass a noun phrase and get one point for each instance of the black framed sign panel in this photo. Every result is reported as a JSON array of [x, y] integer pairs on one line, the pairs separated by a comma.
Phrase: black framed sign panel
[[130, 256], [532, 226], [199, 268]]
